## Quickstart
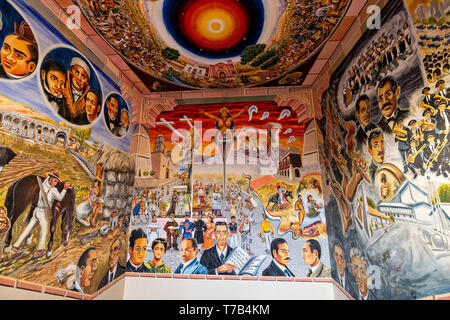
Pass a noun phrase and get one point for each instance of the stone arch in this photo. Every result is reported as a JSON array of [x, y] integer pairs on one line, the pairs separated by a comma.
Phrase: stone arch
[[31, 130], [51, 136], [44, 135], [23, 127], [297, 172], [38, 134], [15, 125], [61, 137]]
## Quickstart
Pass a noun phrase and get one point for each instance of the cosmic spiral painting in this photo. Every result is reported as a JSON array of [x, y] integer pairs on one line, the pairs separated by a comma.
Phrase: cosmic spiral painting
[[216, 43]]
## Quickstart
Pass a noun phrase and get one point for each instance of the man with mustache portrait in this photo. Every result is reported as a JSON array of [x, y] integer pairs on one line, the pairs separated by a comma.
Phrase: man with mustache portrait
[[375, 146], [280, 254], [388, 93]]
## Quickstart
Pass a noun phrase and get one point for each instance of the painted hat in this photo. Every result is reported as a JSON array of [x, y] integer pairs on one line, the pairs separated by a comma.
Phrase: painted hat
[[55, 174], [80, 62], [24, 30]]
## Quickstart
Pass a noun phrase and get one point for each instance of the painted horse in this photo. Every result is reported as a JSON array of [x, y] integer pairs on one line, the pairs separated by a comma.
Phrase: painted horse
[[25, 192], [275, 199]]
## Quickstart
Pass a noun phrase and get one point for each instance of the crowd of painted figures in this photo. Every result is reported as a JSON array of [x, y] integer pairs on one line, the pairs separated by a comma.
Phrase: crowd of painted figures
[[124, 34], [382, 56]]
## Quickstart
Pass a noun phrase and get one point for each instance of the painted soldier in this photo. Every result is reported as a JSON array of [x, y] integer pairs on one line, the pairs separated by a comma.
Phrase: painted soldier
[[171, 228]]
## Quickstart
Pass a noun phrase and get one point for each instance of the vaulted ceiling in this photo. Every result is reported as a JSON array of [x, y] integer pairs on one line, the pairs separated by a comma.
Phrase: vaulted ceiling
[[194, 44]]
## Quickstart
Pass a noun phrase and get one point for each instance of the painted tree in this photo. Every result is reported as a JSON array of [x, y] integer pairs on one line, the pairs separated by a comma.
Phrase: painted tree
[[251, 52], [170, 53], [82, 135]]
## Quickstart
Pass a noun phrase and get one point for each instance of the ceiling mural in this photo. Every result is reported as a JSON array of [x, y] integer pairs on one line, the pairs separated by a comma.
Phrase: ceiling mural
[[216, 43]]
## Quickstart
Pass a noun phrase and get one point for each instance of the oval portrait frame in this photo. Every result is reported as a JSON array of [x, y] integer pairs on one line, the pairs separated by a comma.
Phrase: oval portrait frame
[[23, 16], [93, 71], [105, 110]]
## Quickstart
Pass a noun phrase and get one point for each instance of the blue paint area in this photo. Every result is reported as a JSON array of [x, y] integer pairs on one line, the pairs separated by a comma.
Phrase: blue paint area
[[254, 8], [27, 91]]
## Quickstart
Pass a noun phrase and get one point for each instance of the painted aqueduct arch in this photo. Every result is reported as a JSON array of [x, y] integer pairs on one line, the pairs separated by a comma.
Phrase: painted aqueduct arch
[[34, 129]]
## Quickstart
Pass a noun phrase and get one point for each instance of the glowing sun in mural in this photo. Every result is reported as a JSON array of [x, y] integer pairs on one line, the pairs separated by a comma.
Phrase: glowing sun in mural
[[214, 25]]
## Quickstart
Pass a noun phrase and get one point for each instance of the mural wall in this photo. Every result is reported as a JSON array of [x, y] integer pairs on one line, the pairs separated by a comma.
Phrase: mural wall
[[66, 178], [386, 158], [229, 179]]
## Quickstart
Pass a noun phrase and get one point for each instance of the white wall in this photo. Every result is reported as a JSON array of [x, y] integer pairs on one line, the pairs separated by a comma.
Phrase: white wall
[[197, 289], [115, 292]]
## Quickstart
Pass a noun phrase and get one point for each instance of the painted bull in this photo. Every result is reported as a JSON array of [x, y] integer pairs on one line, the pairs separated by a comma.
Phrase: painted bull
[[275, 199]]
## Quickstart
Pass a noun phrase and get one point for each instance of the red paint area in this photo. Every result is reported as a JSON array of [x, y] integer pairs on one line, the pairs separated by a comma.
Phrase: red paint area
[[189, 15], [193, 112]]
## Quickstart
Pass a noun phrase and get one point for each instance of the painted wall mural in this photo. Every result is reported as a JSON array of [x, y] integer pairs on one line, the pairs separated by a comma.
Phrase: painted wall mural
[[386, 160], [245, 189], [216, 44], [66, 179]]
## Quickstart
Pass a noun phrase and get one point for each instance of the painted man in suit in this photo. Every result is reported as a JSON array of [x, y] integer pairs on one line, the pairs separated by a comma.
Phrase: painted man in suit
[[442, 90], [279, 265], [311, 255], [214, 258], [434, 165], [417, 164], [86, 266], [199, 228], [359, 270], [171, 228], [115, 270], [53, 78], [342, 275], [442, 120], [137, 251], [189, 262], [375, 146], [427, 100], [362, 114], [388, 93], [415, 133], [112, 112]]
